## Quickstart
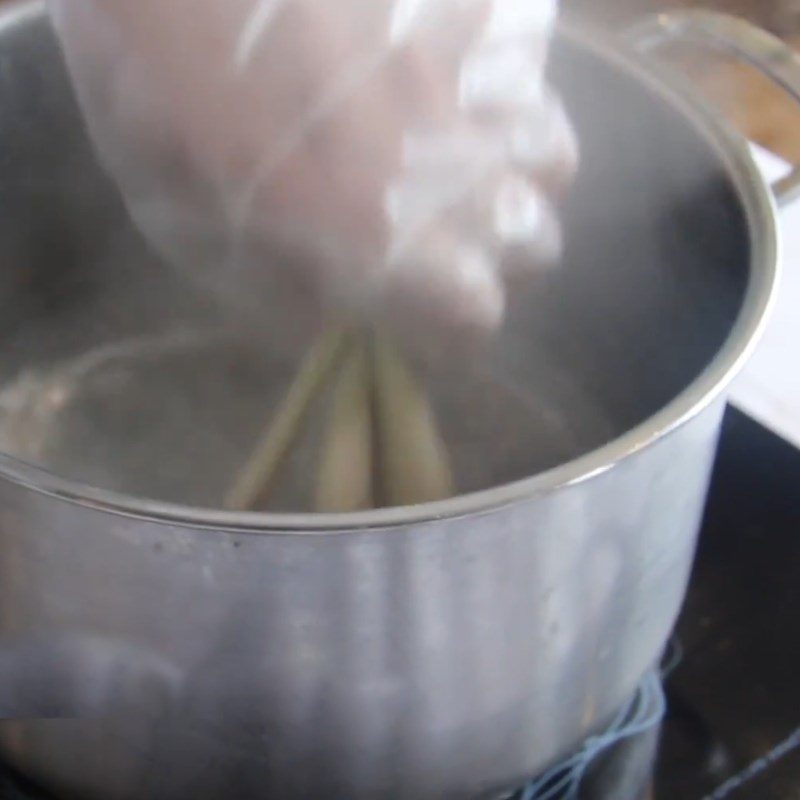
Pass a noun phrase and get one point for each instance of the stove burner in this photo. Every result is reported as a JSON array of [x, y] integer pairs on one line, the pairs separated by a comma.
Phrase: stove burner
[[614, 765]]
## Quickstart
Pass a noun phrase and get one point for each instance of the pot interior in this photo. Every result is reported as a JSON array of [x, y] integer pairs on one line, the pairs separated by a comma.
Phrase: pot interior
[[124, 373]]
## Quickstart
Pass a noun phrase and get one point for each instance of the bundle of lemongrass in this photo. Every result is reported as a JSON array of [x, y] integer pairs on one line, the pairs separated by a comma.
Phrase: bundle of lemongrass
[[382, 446]]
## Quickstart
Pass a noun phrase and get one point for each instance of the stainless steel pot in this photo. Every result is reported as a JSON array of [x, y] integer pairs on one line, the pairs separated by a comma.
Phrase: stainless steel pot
[[441, 651]]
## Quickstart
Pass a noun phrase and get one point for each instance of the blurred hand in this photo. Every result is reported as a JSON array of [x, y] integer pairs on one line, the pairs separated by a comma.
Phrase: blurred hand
[[399, 157]]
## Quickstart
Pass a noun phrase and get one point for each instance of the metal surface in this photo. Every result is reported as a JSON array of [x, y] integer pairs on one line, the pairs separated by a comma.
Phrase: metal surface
[[433, 652], [767, 53]]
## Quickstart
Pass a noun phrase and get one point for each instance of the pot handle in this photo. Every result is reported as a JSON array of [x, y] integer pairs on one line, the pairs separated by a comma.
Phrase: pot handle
[[767, 53]]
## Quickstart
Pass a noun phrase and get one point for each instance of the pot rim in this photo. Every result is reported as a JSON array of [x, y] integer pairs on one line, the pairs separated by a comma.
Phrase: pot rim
[[760, 212]]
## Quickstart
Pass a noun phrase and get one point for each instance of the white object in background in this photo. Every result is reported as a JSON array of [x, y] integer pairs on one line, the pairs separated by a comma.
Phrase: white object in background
[[768, 390]]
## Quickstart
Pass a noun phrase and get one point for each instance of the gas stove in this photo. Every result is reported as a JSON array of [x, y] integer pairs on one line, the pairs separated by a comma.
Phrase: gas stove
[[733, 697], [733, 728]]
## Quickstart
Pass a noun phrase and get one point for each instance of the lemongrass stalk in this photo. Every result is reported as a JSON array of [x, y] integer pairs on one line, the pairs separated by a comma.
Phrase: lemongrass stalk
[[345, 467], [257, 478], [414, 464]]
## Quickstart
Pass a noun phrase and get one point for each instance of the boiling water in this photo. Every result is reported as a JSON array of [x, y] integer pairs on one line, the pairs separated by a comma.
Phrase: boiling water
[[175, 418]]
